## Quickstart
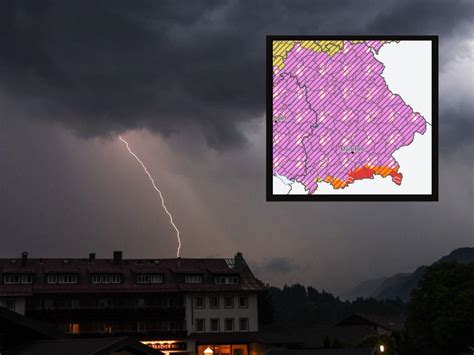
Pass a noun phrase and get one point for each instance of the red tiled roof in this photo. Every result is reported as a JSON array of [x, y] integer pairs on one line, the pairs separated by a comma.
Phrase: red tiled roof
[[128, 268]]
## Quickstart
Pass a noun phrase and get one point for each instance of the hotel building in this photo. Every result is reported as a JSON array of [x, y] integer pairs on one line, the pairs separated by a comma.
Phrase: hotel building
[[192, 306]]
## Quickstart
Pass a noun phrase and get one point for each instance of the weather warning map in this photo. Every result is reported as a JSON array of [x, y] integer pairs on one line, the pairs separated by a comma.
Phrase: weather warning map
[[340, 119]]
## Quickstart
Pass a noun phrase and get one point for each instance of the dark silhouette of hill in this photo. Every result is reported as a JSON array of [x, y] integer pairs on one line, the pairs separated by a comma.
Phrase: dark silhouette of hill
[[401, 285]]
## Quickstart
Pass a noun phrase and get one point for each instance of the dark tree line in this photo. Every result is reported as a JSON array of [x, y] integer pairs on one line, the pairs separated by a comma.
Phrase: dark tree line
[[440, 313], [300, 306]]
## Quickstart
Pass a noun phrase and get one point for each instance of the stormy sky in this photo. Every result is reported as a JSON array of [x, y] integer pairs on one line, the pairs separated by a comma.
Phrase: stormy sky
[[184, 82]]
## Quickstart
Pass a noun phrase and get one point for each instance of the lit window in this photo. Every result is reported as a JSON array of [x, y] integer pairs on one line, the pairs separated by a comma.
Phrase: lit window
[[229, 324], [193, 279], [214, 302], [244, 324], [72, 328], [243, 302], [229, 302], [199, 302], [214, 324], [200, 325]]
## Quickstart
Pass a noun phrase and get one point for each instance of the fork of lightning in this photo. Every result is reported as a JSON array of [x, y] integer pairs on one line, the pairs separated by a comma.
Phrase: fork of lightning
[[159, 192]]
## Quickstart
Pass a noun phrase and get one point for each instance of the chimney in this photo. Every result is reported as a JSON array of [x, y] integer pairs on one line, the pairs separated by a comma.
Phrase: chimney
[[24, 258], [239, 261], [91, 257], [117, 257]]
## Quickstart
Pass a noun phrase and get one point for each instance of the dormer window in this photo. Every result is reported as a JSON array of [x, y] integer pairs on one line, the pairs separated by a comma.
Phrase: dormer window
[[106, 278], [61, 278], [193, 279], [226, 280], [17, 279], [149, 278]]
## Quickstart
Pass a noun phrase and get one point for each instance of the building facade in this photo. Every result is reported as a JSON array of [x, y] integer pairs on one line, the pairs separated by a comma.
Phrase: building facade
[[170, 304]]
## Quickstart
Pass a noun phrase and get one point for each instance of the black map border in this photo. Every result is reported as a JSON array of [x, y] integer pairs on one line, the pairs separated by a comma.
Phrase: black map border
[[434, 196]]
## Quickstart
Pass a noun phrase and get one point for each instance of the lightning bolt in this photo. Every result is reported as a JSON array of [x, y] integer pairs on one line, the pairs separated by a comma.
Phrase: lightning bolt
[[159, 192]]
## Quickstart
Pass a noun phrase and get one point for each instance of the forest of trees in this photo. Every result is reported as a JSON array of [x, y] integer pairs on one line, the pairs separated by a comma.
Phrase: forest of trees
[[300, 306], [440, 313]]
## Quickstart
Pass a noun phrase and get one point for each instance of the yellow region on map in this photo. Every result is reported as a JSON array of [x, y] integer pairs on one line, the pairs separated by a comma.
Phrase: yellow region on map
[[281, 48]]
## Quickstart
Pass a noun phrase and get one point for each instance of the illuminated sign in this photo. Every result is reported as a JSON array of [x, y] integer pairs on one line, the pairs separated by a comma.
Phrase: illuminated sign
[[164, 345]]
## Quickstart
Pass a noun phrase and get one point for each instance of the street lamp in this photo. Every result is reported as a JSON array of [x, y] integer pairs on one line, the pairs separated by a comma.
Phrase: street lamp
[[382, 348]]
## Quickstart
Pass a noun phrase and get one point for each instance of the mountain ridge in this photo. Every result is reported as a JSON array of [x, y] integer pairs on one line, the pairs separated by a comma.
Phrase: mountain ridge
[[400, 285]]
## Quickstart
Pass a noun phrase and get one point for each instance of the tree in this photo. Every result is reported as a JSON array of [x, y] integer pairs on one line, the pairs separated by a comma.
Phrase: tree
[[440, 316]]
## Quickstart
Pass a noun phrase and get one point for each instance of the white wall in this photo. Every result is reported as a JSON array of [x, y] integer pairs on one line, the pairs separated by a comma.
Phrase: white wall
[[192, 313]]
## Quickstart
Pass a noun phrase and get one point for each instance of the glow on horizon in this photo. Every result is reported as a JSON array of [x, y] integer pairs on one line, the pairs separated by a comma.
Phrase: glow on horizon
[[159, 192]]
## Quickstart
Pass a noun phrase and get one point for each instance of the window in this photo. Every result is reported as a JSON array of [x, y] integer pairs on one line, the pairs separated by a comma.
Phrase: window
[[52, 278], [107, 328], [106, 278], [141, 327], [227, 280], [17, 278], [67, 279], [214, 302], [140, 303], [9, 303], [229, 302], [193, 279], [214, 324], [71, 303], [61, 278], [49, 304], [71, 328], [200, 325], [156, 278], [11, 279], [105, 303], [26, 279], [149, 278], [229, 324], [243, 302], [244, 324], [199, 302]]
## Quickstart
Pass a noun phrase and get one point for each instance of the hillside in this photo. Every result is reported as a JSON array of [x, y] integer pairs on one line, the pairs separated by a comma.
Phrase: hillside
[[401, 285]]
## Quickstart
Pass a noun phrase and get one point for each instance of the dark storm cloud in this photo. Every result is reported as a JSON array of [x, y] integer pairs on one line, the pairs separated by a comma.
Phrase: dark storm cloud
[[107, 66], [422, 17], [458, 137], [277, 265]]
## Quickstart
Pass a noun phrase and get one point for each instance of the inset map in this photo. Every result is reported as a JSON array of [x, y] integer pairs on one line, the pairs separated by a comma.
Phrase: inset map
[[352, 118]]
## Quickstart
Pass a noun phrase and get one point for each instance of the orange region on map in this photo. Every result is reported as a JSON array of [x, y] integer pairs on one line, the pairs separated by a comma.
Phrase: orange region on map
[[366, 172]]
